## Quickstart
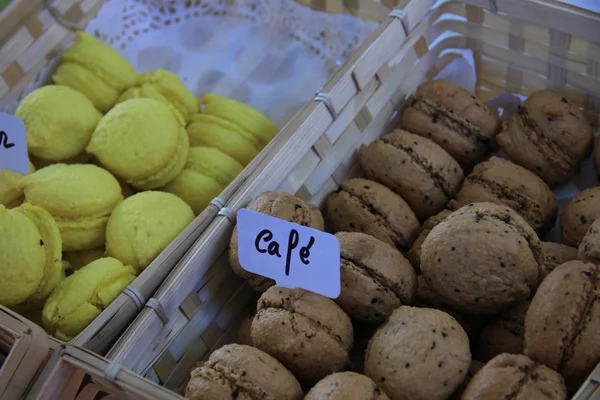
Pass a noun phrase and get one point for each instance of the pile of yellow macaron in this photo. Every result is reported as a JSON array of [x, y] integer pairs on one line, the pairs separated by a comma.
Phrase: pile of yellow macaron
[[121, 163]]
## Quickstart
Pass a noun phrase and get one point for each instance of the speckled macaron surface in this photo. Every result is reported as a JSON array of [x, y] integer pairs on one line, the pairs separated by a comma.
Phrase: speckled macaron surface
[[414, 254], [563, 321], [581, 211], [549, 136], [376, 278], [307, 332], [346, 386], [589, 248], [482, 259], [365, 206], [503, 334], [502, 182], [412, 347], [279, 205], [453, 118], [416, 168], [556, 254], [516, 377], [242, 372]]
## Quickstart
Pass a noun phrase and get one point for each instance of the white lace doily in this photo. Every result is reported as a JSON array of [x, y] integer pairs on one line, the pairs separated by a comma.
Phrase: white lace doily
[[271, 54]]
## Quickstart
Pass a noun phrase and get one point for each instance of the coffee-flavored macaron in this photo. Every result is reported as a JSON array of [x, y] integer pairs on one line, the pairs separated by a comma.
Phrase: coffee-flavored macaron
[[549, 136], [503, 333], [563, 320], [581, 211], [502, 182], [453, 118], [280, 205], [482, 259], [414, 167], [242, 372], [360, 205], [307, 332], [375, 278], [516, 377], [556, 254], [346, 386], [589, 248], [414, 254], [418, 354]]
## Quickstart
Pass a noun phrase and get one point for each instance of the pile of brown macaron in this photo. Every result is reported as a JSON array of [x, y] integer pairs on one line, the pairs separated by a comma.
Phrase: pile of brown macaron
[[447, 289]]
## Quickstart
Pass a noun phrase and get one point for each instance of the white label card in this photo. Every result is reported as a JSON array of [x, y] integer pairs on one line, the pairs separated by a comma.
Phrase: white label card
[[13, 145], [293, 255]]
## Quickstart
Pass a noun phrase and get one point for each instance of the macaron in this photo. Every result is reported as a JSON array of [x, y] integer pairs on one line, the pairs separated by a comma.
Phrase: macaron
[[242, 372], [143, 142], [418, 354], [579, 214], [482, 259], [589, 248], [143, 225], [59, 122], [562, 323], [503, 333], [81, 297], [502, 182], [280, 205], [307, 332], [360, 205], [80, 197], [31, 247], [164, 86], [549, 136], [414, 254], [206, 174], [454, 118], [10, 196], [515, 376], [95, 69], [346, 386], [375, 278], [556, 254], [415, 168]]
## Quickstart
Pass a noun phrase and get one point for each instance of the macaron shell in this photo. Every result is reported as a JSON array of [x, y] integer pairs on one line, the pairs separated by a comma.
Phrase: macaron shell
[[414, 254], [579, 214], [556, 254], [366, 206], [59, 122], [346, 386], [9, 194], [143, 225], [171, 88], [503, 334], [589, 249]]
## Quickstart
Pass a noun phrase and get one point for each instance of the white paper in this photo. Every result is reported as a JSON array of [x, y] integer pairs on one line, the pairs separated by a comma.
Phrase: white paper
[[461, 72], [273, 55], [13, 145], [293, 255]]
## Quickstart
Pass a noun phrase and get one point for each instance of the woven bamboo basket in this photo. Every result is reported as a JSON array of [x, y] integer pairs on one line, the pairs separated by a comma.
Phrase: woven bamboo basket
[[519, 46], [24, 348], [33, 33]]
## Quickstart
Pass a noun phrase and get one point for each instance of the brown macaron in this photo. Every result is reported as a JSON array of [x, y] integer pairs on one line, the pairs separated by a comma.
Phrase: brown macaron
[[589, 249], [346, 386], [242, 372], [360, 205], [516, 377], [581, 211], [504, 333], [376, 278], [549, 136], [502, 182], [243, 335], [453, 118], [280, 205], [418, 354], [416, 168], [414, 254], [563, 321], [556, 254], [307, 332], [482, 259]]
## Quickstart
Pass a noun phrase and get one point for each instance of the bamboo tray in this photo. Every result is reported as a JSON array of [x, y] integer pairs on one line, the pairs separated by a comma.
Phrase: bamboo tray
[[24, 348], [33, 33], [518, 45]]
